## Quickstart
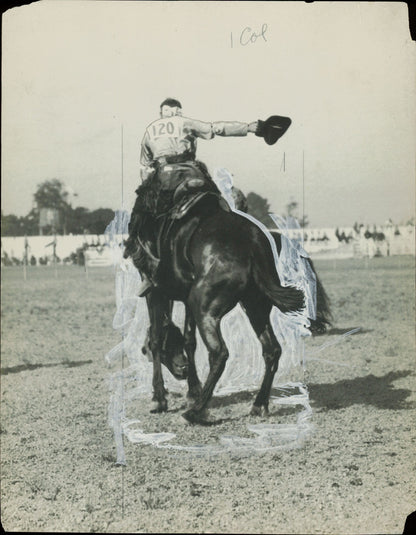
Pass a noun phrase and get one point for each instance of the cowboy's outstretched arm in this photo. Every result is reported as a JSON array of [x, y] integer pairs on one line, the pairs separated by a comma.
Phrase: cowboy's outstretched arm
[[233, 128], [224, 128]]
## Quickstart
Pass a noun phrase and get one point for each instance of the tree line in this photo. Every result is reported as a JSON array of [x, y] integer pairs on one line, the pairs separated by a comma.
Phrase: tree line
[[52, 198], [53, 214]]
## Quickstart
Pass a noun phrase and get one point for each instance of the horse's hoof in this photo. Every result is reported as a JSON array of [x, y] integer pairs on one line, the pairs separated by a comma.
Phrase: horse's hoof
[[197, 417], [191, 416], [261, 410], [255, 411], [159, 406]]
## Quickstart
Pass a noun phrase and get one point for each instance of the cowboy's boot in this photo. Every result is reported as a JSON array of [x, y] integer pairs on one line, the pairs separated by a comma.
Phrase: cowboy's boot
[[129, 247], [147, 266], [145, 286]]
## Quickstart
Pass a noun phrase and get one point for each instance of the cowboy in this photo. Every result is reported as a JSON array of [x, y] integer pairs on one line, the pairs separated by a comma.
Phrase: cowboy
[[168, 158], [172, 138]]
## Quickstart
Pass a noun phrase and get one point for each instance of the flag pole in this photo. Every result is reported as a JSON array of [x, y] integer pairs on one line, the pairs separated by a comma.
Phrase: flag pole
[[25, 259], [84, 253], [54, 255]]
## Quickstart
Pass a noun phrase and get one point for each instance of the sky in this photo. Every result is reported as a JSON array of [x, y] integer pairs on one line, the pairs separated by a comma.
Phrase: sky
[[82, 80]]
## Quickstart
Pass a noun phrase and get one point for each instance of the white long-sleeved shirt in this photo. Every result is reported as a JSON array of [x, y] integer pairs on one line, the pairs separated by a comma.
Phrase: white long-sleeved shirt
[[175, 135]]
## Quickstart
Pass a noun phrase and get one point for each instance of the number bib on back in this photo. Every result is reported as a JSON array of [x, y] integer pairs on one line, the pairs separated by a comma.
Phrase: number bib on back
[[167, 128], [166, 137]]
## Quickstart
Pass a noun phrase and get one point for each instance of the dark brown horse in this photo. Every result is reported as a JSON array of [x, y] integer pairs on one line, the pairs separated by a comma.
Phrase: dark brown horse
[[211, 260]]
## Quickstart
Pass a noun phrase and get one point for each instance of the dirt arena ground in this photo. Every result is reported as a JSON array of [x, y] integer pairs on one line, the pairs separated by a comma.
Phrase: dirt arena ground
[[58, 472]]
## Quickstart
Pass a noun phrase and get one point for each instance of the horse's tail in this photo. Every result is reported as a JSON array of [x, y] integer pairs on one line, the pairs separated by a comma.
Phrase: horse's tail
[[323, 306], [286, 298]]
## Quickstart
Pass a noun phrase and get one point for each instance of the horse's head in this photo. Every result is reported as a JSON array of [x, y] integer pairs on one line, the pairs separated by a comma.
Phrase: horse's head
[[172, 353]]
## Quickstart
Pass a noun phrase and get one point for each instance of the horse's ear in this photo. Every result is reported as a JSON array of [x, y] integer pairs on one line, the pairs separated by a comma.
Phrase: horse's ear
[[273, 128]]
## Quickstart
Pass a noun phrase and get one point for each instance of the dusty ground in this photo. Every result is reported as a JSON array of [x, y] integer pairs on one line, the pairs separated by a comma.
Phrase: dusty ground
[[355, 475]]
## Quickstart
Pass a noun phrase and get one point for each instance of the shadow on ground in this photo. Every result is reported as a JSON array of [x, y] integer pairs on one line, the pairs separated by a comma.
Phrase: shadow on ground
[[368, 390], [231, 399], [29, 367]]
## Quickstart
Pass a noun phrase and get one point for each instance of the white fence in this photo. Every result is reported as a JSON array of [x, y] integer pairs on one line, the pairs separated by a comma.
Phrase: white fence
[[319, 243], [41, 248], [324, 243]]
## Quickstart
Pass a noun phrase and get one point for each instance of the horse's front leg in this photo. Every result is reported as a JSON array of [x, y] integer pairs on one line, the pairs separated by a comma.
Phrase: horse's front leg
[[159, 401], [194, 385], [157, 305]]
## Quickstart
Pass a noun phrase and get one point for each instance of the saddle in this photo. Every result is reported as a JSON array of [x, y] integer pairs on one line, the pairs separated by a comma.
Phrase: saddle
[[191, 195]]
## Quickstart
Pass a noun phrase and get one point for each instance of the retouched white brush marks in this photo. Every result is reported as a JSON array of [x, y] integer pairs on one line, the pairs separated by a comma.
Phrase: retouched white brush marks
[[245, 367]]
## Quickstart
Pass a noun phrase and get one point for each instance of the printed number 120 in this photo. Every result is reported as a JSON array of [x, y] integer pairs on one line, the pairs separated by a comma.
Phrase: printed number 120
[[164, 128]]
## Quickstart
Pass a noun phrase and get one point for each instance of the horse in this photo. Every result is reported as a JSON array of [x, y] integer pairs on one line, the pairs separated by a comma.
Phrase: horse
[[211, 260]]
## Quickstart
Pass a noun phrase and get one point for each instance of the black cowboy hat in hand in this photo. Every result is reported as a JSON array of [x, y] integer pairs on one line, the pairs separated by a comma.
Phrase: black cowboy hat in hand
[[273, 128]]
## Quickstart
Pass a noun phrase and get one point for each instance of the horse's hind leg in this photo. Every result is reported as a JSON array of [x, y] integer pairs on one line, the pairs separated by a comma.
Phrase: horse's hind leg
[[271, 354], [194, 385], [258, 315], [208, 324]]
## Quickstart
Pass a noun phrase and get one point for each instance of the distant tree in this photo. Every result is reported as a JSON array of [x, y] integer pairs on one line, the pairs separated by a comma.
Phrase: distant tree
[[31, 223], [99, 219], [53, 195], [259, 208], [10, 225], [80, 220], [77, 220], [292, 211], [292, 208]]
